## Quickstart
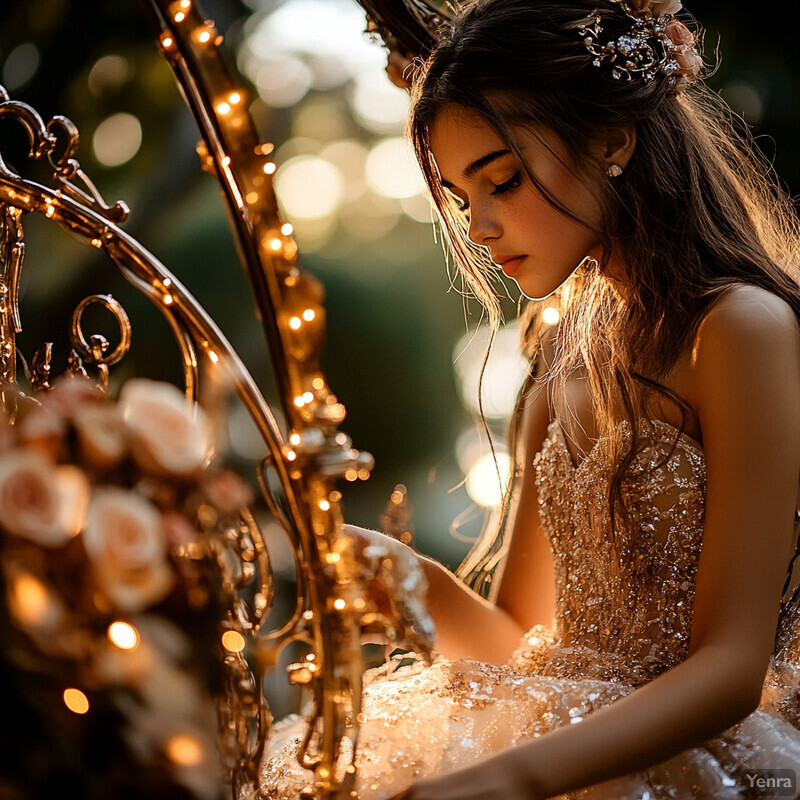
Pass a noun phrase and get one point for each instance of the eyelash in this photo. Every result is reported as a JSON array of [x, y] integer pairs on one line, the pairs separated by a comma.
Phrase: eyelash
[[502, 188]]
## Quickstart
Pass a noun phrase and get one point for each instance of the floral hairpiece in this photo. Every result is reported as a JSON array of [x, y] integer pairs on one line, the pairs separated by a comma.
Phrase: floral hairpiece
[[657, 43]]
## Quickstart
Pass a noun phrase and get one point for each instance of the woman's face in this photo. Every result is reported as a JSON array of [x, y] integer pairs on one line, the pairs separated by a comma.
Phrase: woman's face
[[530, 240]]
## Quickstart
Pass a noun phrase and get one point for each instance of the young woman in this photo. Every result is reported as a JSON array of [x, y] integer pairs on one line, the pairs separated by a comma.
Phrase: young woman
[[573, 145]]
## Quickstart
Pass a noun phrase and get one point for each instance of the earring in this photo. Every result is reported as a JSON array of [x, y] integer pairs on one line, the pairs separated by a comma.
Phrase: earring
[[614, 171]]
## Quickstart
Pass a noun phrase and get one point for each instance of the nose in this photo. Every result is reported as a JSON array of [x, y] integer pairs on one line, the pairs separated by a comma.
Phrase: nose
[[483, 225]]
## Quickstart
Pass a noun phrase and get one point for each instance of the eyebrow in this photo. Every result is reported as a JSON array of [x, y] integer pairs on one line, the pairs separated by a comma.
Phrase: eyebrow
[[479, 164]]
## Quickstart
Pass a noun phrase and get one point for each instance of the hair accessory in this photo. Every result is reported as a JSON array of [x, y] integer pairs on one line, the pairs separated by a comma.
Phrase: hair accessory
[[657, 43], [614, 171]]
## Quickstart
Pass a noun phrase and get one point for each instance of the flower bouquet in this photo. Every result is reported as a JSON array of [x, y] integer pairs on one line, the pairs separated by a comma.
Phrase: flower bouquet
[[113, 530]]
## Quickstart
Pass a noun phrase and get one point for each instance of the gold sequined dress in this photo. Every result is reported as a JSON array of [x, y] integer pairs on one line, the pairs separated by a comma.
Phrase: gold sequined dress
[[615, 630]]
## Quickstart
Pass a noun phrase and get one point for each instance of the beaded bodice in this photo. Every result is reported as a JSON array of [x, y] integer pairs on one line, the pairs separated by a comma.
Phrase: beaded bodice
[[625, 613]]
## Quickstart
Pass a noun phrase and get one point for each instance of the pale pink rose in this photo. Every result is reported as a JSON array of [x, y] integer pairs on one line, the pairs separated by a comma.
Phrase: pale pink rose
[[228, 492], [30, 498], [71, 392], [101, 433], [657, 7], [168, 435], [43, 429], [125, 541]]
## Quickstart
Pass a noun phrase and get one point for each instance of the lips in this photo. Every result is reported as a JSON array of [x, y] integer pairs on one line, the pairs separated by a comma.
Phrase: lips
[[509, 264]]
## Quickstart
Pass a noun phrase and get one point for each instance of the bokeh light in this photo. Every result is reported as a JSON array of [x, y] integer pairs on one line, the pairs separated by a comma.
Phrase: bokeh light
[[76, 701], [483, 484], [20, 65], [117, 139], [123, 635], [392, 169], [309, 188]]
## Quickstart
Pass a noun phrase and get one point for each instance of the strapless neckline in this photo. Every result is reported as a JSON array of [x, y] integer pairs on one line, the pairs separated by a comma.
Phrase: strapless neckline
[[557, 435]]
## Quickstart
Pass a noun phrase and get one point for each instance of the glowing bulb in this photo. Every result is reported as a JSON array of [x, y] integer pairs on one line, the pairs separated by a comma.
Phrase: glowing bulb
[[299, 402], [213, 357], [187, 4], [252, 197], [123, 635], [270, 167], [339, 604], [325, 506], [295, 323], [333, 558], [185, 750], [167, 281], [223, 108], [318, 383], [351, 475], [179, 17], [275, 244], [31, 601], [226, 161], [233, 641], [234, 98], [168, 299], [295, 439], [287, 229], [96, 243], [309, 314], [76, 701], [204, 36], [550, 315], [49, 211], [291, 455], [308, 397], [167, 41]]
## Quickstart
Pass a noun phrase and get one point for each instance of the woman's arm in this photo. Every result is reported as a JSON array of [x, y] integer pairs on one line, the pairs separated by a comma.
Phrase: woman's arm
[[746, 392]]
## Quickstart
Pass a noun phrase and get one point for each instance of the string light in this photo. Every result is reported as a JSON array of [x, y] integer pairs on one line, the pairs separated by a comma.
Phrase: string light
[[287, 229], [204, 36], [308, 397], [295, 439], [234, 98], [233, 641], [179, 16], [275, 244], [309, 314], [295, 323], [168, 299], [166, 42], [226, 161], [299, 402], [269, 167], [214, 358], [185, 750], [252, 197], [76, 701], [325, 506], [318, 383], [339, 604], [333, 558], [123, 635], [291, 455], [223, 108]]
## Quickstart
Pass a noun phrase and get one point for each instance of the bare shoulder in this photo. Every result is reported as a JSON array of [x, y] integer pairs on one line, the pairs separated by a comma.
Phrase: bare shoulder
[[745, 362], [746, 323]]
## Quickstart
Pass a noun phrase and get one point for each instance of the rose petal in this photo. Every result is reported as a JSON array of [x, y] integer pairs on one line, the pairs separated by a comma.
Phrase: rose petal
[[101, 433], [29, 499], [73, 491], [168, 435]]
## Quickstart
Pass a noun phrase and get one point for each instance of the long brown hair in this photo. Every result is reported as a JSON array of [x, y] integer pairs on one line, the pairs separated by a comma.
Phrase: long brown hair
[[697, 210]]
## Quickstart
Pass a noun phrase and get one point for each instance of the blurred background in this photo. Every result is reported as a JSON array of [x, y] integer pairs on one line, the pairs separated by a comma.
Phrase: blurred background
[[399, 354]]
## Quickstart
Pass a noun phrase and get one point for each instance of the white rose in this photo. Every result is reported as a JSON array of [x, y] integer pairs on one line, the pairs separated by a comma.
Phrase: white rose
[[168, 434], [40, 501], [125, 540], [101, 433]]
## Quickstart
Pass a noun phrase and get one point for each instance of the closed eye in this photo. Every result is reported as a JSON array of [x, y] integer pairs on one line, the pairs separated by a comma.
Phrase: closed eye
[[512, 183]]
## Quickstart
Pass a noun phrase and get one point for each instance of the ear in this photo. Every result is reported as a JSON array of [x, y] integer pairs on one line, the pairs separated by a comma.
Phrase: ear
[[617, 145]]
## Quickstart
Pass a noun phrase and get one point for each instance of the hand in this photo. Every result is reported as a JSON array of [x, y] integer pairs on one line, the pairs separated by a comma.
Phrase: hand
[[491, 779]]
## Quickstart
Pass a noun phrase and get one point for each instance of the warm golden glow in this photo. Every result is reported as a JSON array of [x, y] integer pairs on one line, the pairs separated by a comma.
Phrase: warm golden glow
[[49, 211], [204, 36], [309, 314], [270, 167], [308, 397], [123, 635], [325, 506], [30, 600], [339, 604], [167, 41], [226, 161], [213, 357], [287, 229], [295, 439], [96, 243], [223, 108], [168, 299], [299, 402], [233, 641], [333, 558], [295, 323], [186, 4], [252, 197], [185, 750], [351, 475], [550, 315], [318, 383], [234, 98], [275, 244], [291, 455], [179, 17], [76, 701]]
